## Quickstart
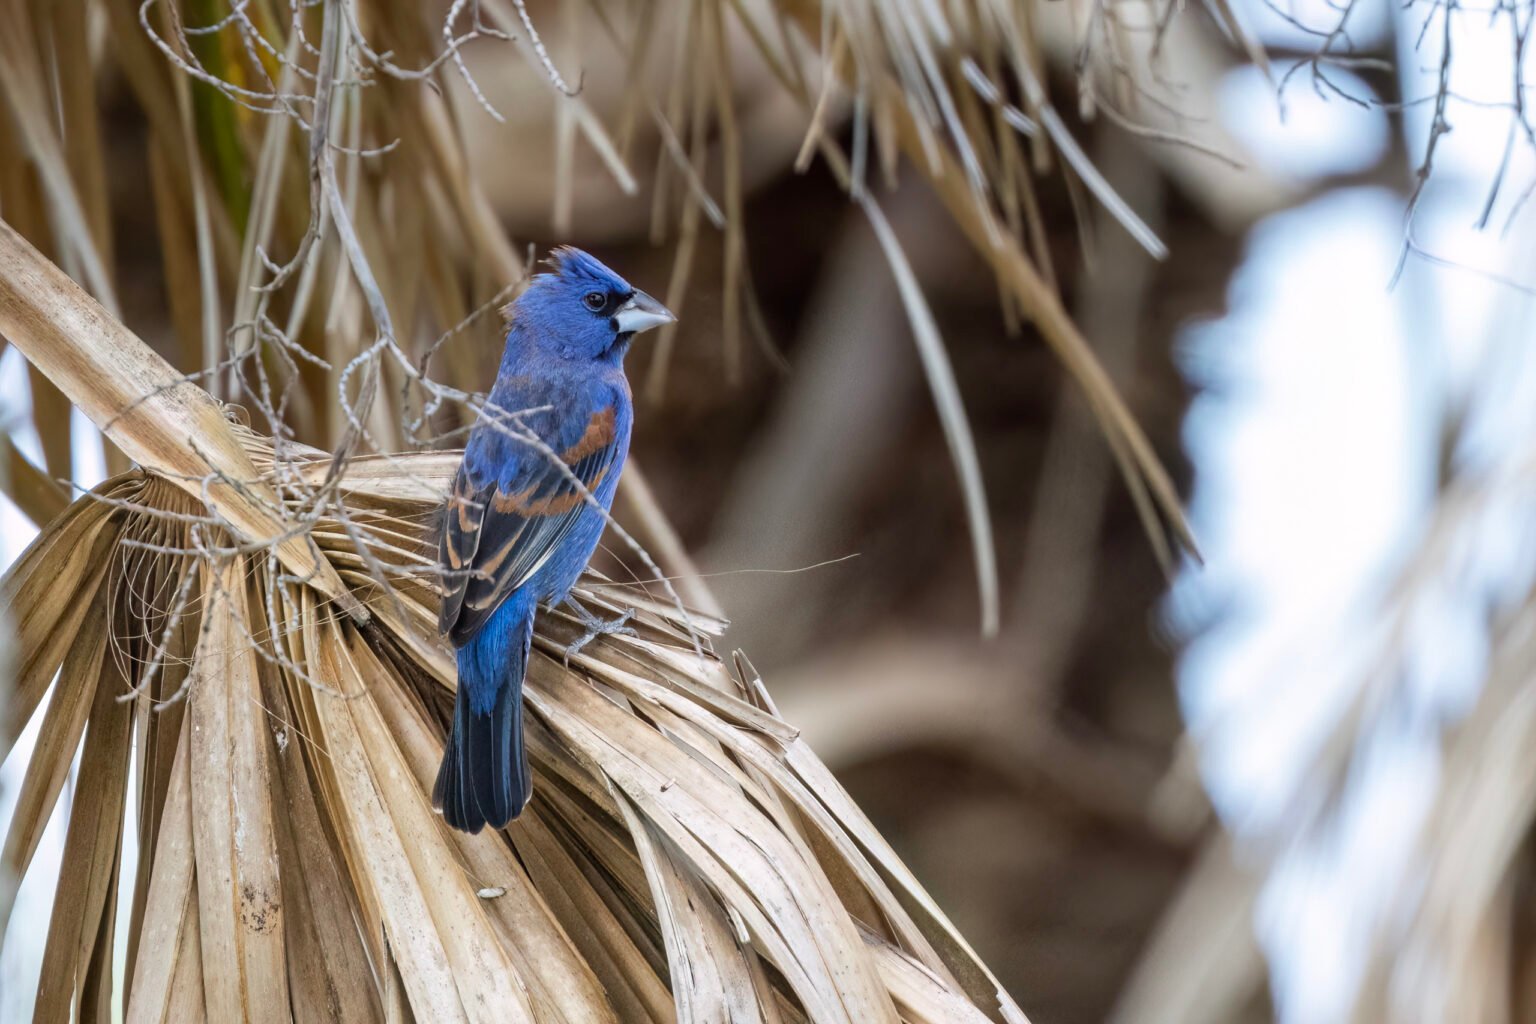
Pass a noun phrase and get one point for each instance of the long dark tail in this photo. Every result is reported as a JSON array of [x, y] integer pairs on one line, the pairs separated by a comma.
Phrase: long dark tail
[[484, 778]]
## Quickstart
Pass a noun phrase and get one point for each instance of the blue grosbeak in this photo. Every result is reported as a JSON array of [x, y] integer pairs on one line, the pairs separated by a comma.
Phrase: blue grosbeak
[[520, 522]]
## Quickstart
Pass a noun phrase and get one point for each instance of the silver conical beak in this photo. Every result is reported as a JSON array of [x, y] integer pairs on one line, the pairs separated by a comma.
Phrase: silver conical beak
[[641, 313]]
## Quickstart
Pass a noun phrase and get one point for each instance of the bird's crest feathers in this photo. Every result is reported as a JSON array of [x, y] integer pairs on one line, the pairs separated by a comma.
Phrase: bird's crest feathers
[[569, 262]]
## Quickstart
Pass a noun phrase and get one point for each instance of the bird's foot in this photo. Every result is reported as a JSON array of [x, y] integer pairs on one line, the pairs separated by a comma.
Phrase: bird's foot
[[597, 626]]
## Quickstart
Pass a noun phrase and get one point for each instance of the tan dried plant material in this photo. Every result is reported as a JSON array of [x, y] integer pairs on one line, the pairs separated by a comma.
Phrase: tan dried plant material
[[686, 856]]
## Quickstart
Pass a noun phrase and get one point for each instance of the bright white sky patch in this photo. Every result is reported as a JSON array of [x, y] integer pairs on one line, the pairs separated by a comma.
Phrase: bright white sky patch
[[1303, 134], [21, 961], [1316, 444], [1302, 485]]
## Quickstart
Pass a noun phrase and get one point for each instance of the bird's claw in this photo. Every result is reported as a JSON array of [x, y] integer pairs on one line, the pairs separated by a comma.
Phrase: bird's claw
[[598, 626]]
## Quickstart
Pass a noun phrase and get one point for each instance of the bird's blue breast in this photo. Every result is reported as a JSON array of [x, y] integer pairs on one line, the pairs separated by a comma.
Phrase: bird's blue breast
[[560, 404]]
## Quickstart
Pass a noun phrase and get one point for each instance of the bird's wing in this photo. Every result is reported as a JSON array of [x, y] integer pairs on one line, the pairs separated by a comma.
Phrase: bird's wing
[[498, 533]]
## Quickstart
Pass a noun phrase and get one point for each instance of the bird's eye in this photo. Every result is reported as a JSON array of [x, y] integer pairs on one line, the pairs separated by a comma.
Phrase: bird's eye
[[595, 300]]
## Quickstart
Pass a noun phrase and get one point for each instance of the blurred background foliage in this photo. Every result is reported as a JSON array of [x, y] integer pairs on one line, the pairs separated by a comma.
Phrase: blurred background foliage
[[1137, 804]]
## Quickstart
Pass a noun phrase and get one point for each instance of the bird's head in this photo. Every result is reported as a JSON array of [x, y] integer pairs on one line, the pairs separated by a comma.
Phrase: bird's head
[[583, 312]]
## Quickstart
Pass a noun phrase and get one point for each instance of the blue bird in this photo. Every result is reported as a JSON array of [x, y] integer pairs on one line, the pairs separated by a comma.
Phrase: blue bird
[[518, 529]]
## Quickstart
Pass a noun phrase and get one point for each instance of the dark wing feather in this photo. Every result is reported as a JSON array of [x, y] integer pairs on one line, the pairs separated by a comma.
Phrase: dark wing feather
[[494, 539]]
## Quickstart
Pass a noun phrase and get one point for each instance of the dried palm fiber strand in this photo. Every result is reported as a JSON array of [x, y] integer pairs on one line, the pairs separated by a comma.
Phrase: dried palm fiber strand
[[686, 856]]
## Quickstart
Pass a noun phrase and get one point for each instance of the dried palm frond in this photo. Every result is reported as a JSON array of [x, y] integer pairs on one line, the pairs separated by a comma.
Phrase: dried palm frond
[[957, 89], [252, 614], [279, 254], [686, 855]]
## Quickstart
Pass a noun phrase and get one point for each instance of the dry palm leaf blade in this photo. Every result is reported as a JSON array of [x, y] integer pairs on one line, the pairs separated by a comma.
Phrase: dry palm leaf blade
[[243, 642], [685, 855]]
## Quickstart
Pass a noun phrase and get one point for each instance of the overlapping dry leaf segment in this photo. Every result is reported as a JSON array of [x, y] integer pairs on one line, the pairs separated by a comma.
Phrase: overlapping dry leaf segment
[[245, 644], [686, 855], [241, 639]]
